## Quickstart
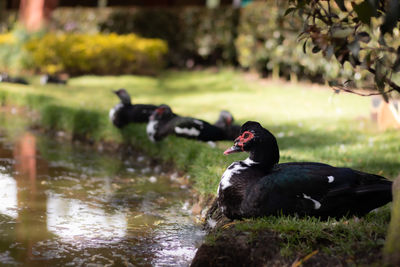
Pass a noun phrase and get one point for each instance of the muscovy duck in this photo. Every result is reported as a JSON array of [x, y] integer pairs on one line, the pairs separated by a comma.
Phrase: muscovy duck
[[4, 77], [225, 122], [124, 112], [164, 122], [259, 186], [47, 78]]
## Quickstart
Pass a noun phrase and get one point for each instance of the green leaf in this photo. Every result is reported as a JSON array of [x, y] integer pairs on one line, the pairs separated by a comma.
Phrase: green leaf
[[304, 47], [380, 78], [354, 61], [289, 10], [396, 65], [341, 5], [329, 52], [316, 49], [391, 18], [363, 37], [339, 32], [354, 47], [365, 11]]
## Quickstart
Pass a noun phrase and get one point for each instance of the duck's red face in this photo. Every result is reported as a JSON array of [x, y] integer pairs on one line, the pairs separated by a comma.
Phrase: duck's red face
[[161, 113], [228, 121], [240, 143]]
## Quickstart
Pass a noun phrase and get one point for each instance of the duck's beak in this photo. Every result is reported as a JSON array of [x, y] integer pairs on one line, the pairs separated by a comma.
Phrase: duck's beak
[[233, 149], [237, 147]]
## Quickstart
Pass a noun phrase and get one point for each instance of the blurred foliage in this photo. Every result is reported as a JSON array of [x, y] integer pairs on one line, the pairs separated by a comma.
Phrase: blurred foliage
[[98, 54], [7, 39], [268, 43], [78, 19], [267, 39], [364, 34], [13, 56], [194, 35], [8, 19]]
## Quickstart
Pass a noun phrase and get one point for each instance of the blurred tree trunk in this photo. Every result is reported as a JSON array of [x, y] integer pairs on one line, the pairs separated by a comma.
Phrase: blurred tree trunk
[[392, 245], [35, 13]]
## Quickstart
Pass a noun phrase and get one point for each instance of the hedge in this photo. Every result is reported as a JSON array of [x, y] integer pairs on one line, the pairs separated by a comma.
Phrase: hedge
[[77, 53], [96, 54]]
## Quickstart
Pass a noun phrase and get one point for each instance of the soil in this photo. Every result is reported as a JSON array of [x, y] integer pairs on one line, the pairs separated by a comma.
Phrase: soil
[[227, 246], [238, 248]]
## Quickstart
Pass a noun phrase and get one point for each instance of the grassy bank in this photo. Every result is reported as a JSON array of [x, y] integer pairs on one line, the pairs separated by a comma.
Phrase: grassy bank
[[310, 123]]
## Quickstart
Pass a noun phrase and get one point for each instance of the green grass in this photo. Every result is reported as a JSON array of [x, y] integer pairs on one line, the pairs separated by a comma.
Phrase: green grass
[[311, 124], [344, 239]]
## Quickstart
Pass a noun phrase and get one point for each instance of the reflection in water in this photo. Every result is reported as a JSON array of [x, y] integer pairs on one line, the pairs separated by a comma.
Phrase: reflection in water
[[25, 159], [8, 195], [78, 208], [71, 219]]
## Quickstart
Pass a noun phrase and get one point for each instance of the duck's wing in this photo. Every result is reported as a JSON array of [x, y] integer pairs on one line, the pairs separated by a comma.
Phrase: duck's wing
[[321, 190], [198, 129], [141, 112], [189, 127]]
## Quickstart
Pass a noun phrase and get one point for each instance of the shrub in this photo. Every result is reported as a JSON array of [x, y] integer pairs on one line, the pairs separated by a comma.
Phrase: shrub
[[13, 57], [268, 42], [96, 54], [7, 39], [194, 33]]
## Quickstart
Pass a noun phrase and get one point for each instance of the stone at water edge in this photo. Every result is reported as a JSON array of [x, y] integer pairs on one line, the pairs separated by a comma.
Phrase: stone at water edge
[[391, 250]]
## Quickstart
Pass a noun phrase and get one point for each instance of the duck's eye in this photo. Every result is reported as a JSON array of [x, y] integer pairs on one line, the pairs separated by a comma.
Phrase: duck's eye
[[246, 136]]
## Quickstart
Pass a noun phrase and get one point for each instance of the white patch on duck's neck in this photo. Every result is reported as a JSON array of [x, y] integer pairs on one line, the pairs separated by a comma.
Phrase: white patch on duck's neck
[[331, 179], [188, 131], [249, 162], [151, 130], [317, 205], [112, 112], [233, 169]]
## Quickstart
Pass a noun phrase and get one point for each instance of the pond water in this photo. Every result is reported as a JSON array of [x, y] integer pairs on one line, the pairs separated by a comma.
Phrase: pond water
[[61, 205]]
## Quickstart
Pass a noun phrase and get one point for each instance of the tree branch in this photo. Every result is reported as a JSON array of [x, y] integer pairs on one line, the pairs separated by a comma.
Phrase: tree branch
[[343, 88], [392, 84]]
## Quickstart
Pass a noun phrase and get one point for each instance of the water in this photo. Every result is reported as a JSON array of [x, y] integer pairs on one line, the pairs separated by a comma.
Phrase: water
[[61, 205]]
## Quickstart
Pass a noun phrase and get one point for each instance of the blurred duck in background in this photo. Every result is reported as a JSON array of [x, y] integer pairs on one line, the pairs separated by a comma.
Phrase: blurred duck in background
[[124, 112], [225, 122], [164, 122], [4, 77]]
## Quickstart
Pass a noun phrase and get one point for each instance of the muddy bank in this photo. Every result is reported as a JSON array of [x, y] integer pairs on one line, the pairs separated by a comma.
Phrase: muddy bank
[[237, 248], [233, 247]]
